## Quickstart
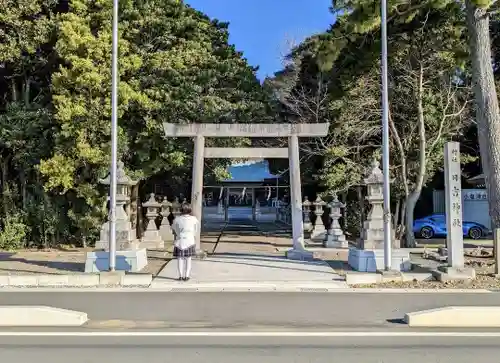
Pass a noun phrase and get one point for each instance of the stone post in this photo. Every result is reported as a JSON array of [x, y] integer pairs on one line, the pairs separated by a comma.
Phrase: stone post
[[318, 233], [151, 239], [165, 229], [306, 210], [454, 237], [335, 237]]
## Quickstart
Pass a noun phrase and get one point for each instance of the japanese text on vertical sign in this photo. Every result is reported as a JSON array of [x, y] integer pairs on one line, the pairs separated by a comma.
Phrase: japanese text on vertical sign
[[454, 155]]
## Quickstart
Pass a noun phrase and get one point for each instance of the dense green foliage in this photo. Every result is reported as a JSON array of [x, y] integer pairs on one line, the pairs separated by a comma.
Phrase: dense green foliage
[[429, 93], [175, 66]]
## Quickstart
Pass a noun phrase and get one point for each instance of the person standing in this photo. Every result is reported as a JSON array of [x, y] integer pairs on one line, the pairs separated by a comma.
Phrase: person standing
[[185, 228]]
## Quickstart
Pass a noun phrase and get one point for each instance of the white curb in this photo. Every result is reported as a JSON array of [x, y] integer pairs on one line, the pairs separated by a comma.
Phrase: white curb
[[40, 316], [456, 317], [75, 280], [267, 286]]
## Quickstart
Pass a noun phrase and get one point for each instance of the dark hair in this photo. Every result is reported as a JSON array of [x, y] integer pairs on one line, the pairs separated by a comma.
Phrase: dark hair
[[186, 209]]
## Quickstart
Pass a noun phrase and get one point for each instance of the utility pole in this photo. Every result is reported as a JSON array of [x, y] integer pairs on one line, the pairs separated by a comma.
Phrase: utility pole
[[114, 141], [385, 141]]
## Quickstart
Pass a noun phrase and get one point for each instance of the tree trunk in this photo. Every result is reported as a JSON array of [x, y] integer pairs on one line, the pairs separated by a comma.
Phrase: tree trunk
[[24, 193], [410, 215], [414, 195], [46, 206], [401, 227], [487, 110], [14, 90], [140, 216], [361, 203], [134, 209], [26, 91], [5, 186], [395, 221], [344, 201]]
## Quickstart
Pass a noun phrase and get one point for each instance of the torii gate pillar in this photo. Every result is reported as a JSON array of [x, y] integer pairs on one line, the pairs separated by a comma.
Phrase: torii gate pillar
[[197, 185]]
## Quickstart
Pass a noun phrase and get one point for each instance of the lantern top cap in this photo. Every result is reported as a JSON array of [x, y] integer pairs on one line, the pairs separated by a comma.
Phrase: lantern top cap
[[151, 203], [336, 203], [375, 175], [319, 201], [121, 177]]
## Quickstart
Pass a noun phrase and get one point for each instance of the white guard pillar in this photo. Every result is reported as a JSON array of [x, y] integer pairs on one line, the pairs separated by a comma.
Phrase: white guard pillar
[[298, 252], [197, 187]]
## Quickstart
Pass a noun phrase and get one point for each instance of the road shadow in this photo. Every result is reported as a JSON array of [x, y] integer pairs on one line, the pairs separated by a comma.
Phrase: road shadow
[[339, 266], [398, 321], [58, 265]]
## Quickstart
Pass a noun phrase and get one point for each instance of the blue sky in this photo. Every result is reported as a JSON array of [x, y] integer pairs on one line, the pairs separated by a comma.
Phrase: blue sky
[[262, 28]]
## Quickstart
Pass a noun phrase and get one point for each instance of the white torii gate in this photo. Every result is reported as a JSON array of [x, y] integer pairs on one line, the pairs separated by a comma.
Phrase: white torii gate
[[292, 131]]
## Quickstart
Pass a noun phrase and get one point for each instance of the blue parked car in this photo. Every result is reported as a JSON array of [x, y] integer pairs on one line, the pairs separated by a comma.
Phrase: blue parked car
[[435, 226]]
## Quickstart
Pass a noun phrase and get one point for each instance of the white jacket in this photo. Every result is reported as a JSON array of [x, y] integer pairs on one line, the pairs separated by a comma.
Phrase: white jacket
[[185, 228]]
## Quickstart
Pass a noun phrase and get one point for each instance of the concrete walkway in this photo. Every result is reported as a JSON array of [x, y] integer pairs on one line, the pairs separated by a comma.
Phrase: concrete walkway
[[249, 273], [246, 258]]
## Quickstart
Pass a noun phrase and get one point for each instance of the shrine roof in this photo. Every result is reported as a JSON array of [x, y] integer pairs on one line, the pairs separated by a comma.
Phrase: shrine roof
[[253, 172]]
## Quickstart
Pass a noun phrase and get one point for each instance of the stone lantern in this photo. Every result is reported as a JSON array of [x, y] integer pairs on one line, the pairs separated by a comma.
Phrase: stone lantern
[[318, 233], [126, 237], [335, 236], [129, 255], [151, 238], [373, 226], [176, 208], [370, 256], [165, 229]]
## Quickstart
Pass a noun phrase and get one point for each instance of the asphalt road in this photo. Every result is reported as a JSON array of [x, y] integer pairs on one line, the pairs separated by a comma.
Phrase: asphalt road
[[240, 310], [250, 350], [153, 326]]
